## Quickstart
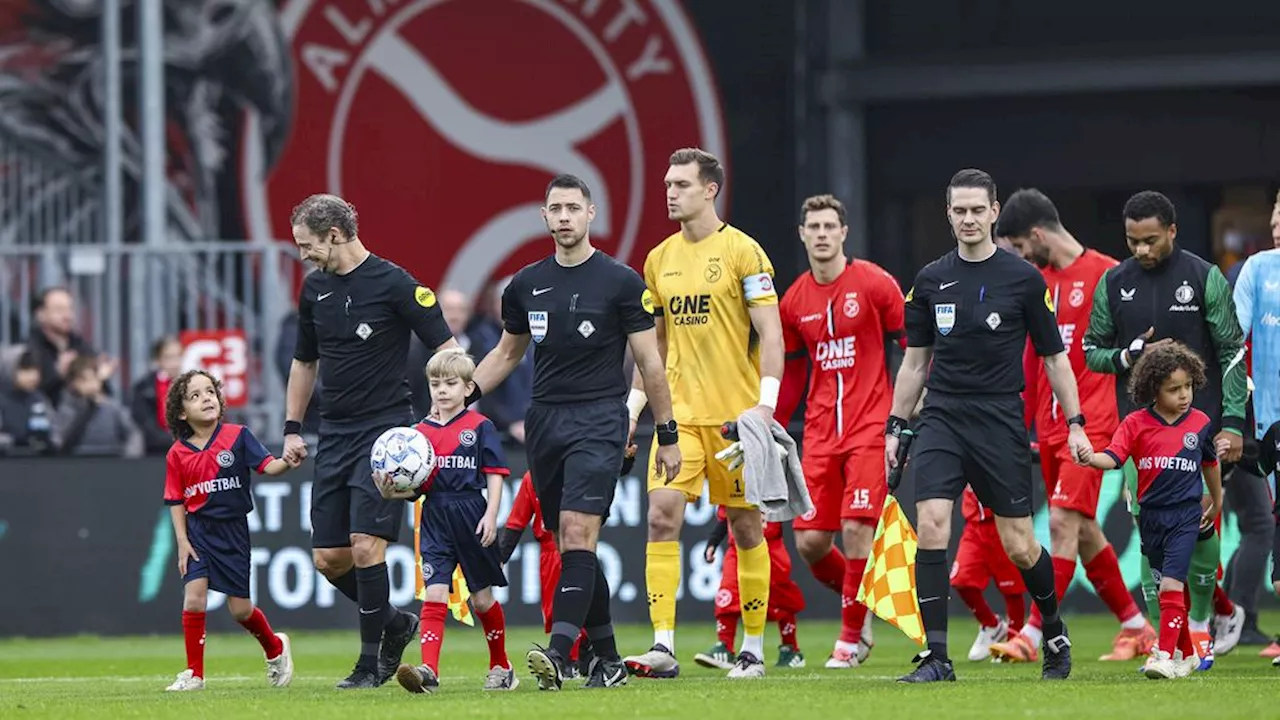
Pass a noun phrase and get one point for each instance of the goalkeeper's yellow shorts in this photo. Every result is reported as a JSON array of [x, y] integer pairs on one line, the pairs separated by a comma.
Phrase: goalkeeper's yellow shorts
[[698, 447]]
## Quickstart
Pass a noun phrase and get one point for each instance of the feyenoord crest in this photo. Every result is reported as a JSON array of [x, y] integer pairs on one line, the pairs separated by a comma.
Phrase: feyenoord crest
[[1184, 294], [400, 111], [538, 324], [944, 315]]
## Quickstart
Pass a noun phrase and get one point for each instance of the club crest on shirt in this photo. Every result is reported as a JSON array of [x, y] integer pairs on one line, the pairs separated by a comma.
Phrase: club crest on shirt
[[944, 315], [1184, 294], [851, 305], [1077, 297], [1190, 441], [467, 438], [538, 324], [427, 572], [225, 459]]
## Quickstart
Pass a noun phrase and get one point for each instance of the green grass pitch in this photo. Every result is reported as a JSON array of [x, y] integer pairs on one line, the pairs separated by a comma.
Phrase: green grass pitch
[[87, 677]]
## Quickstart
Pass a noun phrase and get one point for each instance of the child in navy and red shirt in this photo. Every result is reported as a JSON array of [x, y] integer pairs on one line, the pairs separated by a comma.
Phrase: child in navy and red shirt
[[1173, 448], [459, 522], [207, 490]]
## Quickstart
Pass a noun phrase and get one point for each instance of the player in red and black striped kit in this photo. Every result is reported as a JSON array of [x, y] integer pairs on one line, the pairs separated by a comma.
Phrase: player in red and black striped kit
[[206, 487], [1173, 447], [458, 525]]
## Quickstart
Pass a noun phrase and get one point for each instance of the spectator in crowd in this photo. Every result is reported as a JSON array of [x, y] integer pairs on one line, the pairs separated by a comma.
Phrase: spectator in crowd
[[456, 308], [56, 343], [25, 413], [506, 404], [147, 399], [88, 421]]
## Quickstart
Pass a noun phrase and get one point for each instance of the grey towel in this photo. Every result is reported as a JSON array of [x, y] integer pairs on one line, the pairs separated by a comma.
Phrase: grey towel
[[776, 486]]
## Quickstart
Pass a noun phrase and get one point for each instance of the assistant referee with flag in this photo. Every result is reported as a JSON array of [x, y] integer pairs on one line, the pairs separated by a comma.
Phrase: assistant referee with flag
[[969, 314]]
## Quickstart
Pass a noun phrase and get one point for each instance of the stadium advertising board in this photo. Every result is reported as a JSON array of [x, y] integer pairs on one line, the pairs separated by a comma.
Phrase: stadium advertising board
[[91, 544]]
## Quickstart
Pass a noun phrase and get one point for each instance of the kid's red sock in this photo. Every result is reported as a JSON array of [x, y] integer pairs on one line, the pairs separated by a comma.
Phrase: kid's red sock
[[787, 629], [1015, 607], [1173, 620], [830, 570], [494, 623], [727, 630], [432, 631], [852, 613], [258, 627], [193, 635]]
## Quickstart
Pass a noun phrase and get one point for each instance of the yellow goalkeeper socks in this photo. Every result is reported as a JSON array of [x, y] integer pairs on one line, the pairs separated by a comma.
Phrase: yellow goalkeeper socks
[[753, 591], [662, 578]]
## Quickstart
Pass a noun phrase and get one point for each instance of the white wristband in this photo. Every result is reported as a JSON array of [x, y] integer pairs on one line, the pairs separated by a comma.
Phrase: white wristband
[[636, 400], [769, 387]]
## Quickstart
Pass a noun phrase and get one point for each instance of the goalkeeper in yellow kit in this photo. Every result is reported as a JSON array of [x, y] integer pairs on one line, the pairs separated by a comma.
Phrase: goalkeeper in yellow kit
[[718, 327]]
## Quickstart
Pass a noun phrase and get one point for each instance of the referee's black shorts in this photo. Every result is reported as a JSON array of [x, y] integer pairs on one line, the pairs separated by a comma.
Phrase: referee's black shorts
[[344, 499], [975, 439], [575, 456]]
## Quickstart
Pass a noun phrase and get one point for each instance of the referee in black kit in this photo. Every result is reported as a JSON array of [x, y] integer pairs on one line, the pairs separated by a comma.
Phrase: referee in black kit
[[581, 308], [969, 313], [354, 320]]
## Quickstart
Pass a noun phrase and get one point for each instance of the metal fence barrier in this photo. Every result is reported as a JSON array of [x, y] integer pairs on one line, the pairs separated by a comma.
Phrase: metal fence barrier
[[127, 297]]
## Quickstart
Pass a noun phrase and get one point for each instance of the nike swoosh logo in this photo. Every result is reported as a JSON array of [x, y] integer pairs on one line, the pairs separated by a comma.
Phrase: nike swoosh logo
[[370, 612], [384, 518], [539, 291], [946, 285], [322, 297]]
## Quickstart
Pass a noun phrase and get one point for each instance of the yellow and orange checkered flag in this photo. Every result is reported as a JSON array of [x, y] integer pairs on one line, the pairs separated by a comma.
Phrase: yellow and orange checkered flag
[[458, 592], [889, 583]]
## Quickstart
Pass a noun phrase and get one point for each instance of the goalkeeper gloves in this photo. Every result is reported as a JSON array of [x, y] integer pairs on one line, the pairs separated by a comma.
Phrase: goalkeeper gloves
[[732, 456]]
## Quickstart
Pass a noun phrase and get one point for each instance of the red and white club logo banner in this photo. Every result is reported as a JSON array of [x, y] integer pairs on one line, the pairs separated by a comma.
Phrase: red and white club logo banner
[[443, 121]]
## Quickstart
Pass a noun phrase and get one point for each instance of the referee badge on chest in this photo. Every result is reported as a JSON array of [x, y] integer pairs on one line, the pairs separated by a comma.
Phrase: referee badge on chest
[[538, 324], [944, 314]]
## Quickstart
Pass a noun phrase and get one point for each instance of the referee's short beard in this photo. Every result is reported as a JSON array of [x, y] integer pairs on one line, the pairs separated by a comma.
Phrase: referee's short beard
[[569, 241]]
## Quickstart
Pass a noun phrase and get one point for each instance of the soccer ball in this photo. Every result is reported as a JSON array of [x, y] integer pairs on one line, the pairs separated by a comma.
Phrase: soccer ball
[[405, 455]]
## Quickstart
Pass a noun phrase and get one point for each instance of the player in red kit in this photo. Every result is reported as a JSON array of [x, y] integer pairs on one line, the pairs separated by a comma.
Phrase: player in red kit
[[1030, 222], [786, 600], [981, 558], [841, 314]]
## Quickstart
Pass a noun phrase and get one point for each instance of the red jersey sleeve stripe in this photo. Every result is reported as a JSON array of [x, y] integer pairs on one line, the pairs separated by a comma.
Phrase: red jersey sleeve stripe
[[262, 466], [504, 472]]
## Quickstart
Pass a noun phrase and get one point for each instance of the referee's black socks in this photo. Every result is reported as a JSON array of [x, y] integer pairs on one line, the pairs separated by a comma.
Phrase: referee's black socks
[[933, 588], [573, 599], [599, 624], [346, 584], [1039, 581], [374, 590]]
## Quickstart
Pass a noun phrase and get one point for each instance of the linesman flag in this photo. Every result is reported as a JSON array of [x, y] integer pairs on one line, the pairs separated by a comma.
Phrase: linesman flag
[[889, 583], [458, 592]]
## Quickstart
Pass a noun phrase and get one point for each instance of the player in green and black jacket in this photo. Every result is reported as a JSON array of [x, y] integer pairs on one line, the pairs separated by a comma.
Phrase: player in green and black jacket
[[1159, 295]]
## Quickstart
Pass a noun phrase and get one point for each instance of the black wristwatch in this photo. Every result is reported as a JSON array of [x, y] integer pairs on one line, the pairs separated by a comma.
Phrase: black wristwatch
[[292, 427], [668, 433], [1077, 420]]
